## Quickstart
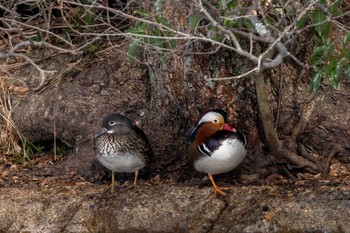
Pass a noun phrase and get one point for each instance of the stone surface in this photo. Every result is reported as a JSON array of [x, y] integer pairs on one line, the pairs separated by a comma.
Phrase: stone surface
[[174, 207]]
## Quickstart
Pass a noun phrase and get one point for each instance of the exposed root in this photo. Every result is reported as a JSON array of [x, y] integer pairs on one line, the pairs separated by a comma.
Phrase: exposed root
[[266, 115], [310, 156], [304, 119], [277, 147], [325, 167], [299, 160]]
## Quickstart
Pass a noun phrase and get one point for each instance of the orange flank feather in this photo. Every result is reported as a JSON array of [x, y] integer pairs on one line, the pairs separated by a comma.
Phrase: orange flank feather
[[193, 153], [206, 130]]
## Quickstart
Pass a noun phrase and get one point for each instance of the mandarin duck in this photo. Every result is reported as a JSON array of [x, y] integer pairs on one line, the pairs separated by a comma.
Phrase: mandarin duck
[[216, 147], [122, 146]]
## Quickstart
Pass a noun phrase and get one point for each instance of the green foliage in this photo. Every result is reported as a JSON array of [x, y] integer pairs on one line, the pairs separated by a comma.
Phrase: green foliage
[[322, 26], [330, 62], [89, 18], [154, 30], [88, 13], [84, 25], [159, 7], [66, 34], [24, 152], [346, 39], [194, 21], [62, 150], [37, 37], [133, 47], [29, 149], [158, 38], [302, 21], [316, 79], [93, 48]]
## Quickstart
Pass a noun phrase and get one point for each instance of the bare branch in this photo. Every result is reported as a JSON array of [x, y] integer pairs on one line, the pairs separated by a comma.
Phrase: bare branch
[[276, 37], [250, 72], [221, 28], [42, 73]]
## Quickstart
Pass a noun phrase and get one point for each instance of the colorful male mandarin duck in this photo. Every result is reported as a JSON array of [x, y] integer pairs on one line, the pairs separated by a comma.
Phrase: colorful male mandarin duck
[[216, 147], [122, 146]]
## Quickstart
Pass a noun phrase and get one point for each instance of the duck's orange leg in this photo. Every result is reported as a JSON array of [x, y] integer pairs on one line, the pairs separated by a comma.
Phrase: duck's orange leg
[[113, 182], [216, 188]]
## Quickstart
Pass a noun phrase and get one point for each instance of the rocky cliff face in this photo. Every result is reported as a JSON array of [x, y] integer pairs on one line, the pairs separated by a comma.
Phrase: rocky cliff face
[[170, 207]]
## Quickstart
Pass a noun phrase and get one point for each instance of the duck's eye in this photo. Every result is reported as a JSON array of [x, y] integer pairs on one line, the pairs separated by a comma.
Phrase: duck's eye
[[111, 123], [215, 121]]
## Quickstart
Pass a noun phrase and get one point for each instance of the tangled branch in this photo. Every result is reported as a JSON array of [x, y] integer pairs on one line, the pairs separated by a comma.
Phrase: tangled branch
[[73, 26]]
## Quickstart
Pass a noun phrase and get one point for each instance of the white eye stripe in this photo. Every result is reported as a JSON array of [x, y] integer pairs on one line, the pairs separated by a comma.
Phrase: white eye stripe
[[111, 123], [210, 116]]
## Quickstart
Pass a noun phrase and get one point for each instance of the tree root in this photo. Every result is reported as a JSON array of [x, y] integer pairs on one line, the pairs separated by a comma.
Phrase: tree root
[[288, 148], [299, 128], [326, 165]]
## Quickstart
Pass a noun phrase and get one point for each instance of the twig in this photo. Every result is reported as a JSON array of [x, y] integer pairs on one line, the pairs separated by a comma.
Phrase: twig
[[256, 69], [221, 28], [42, 73]]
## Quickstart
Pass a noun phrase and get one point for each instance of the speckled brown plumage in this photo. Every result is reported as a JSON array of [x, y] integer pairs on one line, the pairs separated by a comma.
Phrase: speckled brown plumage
[[122, 146], [132, 142]]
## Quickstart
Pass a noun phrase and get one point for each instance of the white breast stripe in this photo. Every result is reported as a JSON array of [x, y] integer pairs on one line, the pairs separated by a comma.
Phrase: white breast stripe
[[204, 149]]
